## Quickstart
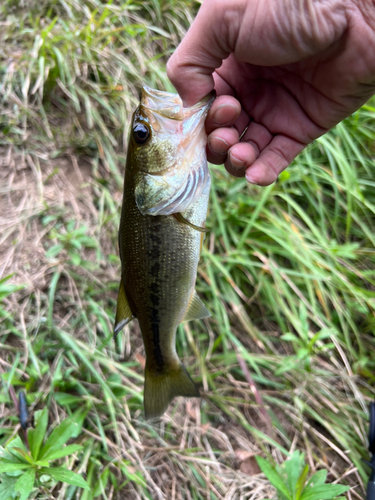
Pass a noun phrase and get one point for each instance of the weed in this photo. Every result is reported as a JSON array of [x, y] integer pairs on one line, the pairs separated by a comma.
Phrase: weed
[[291, 480], [22, 470]]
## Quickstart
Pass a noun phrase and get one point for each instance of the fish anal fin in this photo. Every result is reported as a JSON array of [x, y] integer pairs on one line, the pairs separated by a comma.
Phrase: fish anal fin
[[161, 388], [178, 216], [196, 310], [123, 312]]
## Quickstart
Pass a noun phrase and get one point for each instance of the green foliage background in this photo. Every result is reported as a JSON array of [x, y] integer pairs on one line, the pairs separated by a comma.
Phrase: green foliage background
[[287, 271]]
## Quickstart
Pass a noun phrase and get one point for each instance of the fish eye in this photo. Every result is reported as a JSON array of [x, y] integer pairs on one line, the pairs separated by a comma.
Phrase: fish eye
[[141, 133]]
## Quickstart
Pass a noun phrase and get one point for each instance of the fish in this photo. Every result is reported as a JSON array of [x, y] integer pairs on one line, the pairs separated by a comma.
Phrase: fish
[[164, 209]]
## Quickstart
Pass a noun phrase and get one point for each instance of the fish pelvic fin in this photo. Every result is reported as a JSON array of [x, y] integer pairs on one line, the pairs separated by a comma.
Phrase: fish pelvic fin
[[162, 387], [196, 310], [123, 312]]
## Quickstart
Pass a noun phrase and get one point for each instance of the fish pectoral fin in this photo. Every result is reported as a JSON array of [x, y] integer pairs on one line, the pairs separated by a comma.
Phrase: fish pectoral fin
[[197, 310], [161, 388], [182, 219], [123, 312]]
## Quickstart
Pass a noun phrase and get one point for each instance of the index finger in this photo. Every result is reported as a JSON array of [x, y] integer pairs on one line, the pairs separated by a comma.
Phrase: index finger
[[202, 50]]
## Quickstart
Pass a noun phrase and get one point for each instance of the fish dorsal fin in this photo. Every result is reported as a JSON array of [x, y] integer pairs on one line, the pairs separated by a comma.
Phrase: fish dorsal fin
[[197, 310], [123, 312]]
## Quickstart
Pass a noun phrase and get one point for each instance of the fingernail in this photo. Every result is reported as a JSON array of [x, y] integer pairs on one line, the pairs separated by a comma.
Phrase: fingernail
[[251, 180], [224, 114], [235, 166], [236, 162], [218, 146]]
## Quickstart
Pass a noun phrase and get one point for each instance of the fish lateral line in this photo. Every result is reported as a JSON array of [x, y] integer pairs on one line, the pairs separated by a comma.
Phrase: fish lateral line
[[180, 218]]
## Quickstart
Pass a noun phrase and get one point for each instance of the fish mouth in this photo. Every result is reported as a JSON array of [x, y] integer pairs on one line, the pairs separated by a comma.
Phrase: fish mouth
[[166, 113], [163, 103]]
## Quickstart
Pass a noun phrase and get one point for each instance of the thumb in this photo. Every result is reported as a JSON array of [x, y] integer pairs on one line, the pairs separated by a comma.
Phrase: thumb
[[202, 50]]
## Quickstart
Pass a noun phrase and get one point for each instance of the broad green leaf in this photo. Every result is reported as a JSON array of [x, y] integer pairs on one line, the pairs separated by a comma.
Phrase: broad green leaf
[[292, 468], [302, 353], [59, 436], [25, 483], [16, 456], [290, 337], [5, 454], [6, 466], [324, 492], [66, 476], [301, 482], [318, 478], [69, 428], [7, 486], [16, 443], [36, 435], [42, 463], [273, 477], [17, 448], [67, 450], [24, 454], [78, 418]]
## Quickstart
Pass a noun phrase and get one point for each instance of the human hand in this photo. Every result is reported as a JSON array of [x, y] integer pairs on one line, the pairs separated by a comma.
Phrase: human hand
[[289, 71]]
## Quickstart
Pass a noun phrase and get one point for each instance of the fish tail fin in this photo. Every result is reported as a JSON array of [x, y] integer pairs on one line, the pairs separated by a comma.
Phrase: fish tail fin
[[162, 387]]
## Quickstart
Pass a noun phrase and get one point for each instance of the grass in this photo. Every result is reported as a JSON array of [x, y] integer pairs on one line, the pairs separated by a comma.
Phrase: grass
[[287, 271]]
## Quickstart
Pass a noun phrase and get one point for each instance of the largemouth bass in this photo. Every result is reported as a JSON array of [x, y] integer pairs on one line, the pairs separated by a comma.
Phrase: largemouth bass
[[164, 209]]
